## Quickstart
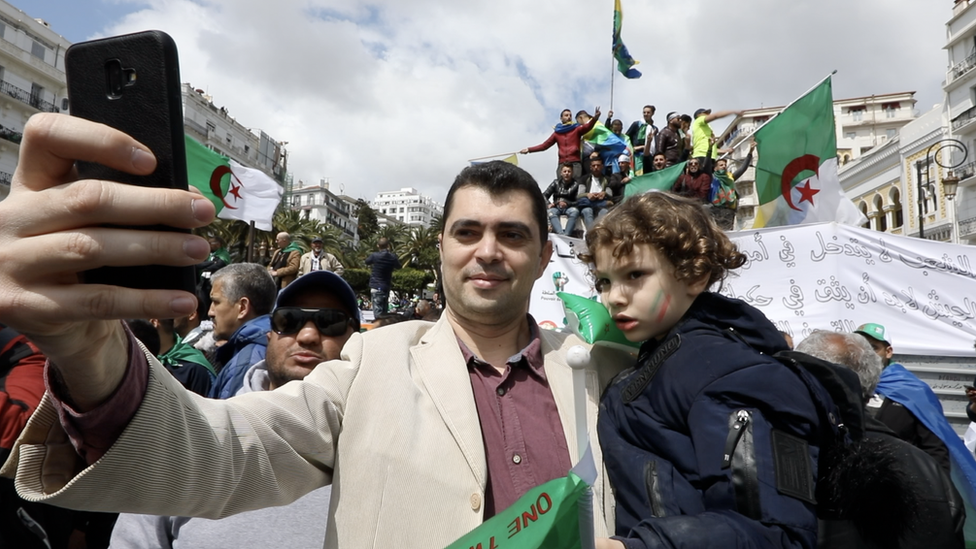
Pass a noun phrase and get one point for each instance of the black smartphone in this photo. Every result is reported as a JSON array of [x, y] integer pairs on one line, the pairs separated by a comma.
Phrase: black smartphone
[[132, 83]]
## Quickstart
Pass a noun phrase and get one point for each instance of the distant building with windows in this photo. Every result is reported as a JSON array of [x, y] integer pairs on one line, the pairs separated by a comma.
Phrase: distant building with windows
[[317, 201], [407, 206], [215, 128], [863, 124], [31, 80], [959, 87]]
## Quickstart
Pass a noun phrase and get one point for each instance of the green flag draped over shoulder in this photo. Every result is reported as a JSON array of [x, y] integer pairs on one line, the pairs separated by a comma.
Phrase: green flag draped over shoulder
[[661, 180], [546, 516], [796, 175]]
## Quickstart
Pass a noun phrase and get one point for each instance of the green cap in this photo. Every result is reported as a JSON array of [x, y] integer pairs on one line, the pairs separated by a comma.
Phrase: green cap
[[873, 330]]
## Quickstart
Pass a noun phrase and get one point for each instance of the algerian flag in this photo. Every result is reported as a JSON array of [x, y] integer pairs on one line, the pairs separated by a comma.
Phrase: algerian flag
[[796, 175], [238, 192], [661, 180]]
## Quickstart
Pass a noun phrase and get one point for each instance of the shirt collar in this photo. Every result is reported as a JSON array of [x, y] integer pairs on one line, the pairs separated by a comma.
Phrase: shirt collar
[[532, 352]]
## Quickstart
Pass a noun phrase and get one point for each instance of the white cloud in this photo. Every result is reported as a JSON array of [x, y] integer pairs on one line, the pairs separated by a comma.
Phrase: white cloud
[[401, 93]]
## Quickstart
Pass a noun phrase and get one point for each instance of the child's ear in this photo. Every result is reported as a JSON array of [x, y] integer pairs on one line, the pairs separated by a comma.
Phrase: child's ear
[[697, 287]]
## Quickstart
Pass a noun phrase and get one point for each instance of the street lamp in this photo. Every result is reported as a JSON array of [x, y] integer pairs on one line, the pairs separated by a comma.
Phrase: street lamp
[[949, 184]]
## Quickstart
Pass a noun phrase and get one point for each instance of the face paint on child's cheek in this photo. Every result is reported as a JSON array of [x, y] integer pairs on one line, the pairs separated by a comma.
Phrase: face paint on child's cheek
[[661, 305]]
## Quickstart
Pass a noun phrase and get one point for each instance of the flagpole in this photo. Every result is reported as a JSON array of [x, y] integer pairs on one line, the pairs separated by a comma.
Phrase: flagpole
[[492, 156], [613, 76], [801, 96]]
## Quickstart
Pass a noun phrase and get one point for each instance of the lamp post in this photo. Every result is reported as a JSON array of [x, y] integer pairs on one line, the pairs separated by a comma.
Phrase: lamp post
[[950, 183]]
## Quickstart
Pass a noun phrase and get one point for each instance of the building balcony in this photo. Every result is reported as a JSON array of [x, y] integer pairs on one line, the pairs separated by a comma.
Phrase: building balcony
[[967, 227], [195, 126], [25, 96], [11, 135], [965, 171], [962, 68], [965, 119]]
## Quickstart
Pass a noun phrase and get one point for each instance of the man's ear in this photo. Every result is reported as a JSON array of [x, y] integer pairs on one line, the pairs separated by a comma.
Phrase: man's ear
[[155, 323], [244, 308], [544, 258]]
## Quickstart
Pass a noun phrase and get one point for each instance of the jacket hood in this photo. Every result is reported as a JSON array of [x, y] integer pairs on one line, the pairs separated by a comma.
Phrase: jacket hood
[[749, 323]]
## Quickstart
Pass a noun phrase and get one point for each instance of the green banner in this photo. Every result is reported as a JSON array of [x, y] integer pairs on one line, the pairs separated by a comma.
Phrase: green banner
[[547, 516], [661, 180]]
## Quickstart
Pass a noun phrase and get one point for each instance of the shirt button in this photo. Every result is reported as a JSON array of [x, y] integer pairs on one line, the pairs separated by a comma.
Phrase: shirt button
[[475, 501], [517, 459], [500, 391]]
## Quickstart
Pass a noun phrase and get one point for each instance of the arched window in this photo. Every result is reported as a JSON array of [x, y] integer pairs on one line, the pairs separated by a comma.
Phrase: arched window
[[879, 208], [897, 219]]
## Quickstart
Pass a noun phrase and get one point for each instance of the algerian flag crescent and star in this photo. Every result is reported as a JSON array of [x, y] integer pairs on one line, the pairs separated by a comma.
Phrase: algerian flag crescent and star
[[796, 174], [237, 192]]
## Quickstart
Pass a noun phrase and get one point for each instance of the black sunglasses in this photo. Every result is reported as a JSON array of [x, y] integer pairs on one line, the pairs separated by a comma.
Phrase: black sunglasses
[[330, 322]]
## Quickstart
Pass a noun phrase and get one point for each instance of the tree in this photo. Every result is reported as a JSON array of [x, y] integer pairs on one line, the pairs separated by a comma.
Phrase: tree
[[419, 251], [409, 282], [369, 225]]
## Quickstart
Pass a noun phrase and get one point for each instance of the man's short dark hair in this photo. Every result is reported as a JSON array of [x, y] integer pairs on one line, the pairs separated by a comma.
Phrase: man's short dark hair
[[653, 109], [565, 110], [566, 165], [498, 178], [685, 118], [248, 280], [582, 112], [146, 333], [383, 243]]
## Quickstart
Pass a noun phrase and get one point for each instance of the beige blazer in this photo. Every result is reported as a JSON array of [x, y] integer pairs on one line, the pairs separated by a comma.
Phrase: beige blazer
[[393, 426], [328, 262]]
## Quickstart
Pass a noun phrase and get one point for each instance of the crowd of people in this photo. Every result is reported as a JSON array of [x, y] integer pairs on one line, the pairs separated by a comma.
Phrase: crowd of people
[[602, 159], [712, 439]]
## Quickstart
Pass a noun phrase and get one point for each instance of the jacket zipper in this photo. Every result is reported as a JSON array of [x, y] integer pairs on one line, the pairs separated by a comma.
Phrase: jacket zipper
[[742, 419]]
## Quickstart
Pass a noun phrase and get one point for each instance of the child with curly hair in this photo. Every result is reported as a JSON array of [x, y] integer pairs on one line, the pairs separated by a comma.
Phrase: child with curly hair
[[708, 441]]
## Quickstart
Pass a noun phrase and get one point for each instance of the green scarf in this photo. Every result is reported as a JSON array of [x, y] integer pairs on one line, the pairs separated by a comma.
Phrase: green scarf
[[182, 352]]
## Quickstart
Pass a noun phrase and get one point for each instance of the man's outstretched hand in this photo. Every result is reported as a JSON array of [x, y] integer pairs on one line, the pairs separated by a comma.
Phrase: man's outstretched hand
[[52, 229]]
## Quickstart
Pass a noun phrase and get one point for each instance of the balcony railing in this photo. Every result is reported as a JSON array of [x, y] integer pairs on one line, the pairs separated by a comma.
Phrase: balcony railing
[[966, 117], [25, 96], [966, 170], [961, 68], [6, 178], [11, 135]]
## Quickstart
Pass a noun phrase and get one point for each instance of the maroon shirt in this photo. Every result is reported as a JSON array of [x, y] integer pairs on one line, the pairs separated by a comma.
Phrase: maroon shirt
[[524, 441]]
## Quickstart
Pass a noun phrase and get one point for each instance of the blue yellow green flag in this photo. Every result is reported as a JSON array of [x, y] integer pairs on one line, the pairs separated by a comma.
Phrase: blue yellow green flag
[[625, 63]]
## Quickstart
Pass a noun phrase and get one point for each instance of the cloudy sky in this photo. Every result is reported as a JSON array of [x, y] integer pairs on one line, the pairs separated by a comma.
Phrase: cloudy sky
[[395, 93]]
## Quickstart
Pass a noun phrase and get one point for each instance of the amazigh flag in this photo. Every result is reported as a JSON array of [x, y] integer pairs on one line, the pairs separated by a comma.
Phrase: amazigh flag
[[796, 175], [608, 144], [661, 180], [625, 62], [238, 192]]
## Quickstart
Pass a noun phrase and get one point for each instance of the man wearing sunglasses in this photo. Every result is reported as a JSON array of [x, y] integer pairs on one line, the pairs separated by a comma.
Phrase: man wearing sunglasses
[[424, 430], [312, 320]]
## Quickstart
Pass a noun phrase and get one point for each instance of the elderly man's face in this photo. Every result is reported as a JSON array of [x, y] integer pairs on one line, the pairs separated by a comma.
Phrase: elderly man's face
[[293, 356], [282, 241], [491, 253], [317, 246]]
